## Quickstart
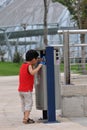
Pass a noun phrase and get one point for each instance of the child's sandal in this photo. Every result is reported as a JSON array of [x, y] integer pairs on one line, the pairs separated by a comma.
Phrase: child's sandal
[[25, 121], [28, 121]]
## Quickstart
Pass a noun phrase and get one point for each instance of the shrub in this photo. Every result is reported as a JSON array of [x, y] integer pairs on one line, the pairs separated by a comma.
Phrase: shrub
[[17, 57]]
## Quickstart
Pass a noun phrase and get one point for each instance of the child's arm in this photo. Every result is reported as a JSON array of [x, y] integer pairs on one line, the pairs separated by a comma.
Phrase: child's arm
[[32, 70]]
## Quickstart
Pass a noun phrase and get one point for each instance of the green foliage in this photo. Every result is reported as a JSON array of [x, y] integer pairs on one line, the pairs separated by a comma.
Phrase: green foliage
[[67, 3], [2, 53], [17, 57], [74, 68], [78, 10], [9, 68]]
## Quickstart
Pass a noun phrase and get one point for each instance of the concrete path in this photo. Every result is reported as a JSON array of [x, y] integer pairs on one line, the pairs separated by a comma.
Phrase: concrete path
[[11, 115]]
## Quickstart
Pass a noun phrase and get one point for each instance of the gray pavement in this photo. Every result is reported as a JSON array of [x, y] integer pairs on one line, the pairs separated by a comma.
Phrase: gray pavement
[[11, 115]]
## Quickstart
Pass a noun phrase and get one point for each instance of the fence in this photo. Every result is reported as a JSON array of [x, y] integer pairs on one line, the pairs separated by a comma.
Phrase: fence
[[67, 54]]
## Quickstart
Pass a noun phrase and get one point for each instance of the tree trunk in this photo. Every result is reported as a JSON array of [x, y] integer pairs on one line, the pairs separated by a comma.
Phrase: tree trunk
[[45, 23], [81, 25], [82, 37]]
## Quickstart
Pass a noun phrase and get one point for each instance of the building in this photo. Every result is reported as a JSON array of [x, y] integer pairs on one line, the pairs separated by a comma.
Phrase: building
[[23, 15]]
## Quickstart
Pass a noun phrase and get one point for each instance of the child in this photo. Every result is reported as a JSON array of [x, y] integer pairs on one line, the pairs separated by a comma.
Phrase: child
[[26, 82]]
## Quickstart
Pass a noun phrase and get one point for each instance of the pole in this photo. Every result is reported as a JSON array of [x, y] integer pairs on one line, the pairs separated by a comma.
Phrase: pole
[[66, 57], [50, 85]]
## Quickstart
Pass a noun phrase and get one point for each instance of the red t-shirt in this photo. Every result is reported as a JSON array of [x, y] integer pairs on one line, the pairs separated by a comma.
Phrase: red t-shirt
[[26, 80]]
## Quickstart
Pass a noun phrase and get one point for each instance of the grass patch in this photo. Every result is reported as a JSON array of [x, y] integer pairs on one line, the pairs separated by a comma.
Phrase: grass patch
[[74, 68], [62, 67], [9, 68]]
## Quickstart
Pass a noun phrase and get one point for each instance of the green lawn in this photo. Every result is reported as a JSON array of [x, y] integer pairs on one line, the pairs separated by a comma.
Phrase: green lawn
[[75, 68], [9, 68]]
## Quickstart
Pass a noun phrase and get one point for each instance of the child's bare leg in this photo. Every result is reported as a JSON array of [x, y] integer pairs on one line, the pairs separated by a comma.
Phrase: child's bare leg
[[26, 116]]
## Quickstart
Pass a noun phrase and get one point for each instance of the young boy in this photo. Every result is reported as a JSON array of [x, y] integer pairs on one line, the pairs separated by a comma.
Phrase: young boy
[[26, 82]]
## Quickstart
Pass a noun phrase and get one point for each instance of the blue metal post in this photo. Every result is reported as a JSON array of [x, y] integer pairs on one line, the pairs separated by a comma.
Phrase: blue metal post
[[50, 84]]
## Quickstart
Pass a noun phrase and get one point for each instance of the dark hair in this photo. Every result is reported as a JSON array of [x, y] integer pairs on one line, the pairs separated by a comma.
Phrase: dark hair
[[31, 54]]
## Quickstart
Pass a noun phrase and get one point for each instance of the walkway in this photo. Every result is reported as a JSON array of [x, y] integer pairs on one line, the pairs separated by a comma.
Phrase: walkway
[[11, 115]]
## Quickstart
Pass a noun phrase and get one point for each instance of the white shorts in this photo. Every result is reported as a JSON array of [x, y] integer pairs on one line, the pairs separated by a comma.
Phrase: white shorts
[[26, 100]]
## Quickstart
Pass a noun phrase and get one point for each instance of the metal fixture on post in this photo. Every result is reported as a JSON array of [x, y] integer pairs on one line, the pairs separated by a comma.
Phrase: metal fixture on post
[[24, 25], [47, 84]]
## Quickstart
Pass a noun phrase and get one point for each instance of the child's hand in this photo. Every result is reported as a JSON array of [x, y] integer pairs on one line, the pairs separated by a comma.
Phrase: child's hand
[[43, 63]]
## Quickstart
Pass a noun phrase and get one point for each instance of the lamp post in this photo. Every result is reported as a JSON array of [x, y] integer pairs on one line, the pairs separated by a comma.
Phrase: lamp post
[[24, 25]]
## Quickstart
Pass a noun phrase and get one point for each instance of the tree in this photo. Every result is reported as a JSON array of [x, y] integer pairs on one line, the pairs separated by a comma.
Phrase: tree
[[78, 10], [2, 53], [45, 22], [46, 5]]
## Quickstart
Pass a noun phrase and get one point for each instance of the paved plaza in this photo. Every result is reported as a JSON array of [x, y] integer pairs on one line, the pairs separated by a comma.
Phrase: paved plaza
[[11, 115]]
